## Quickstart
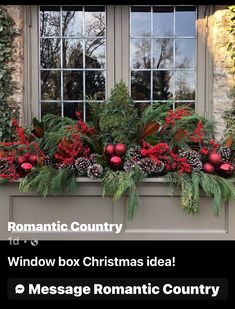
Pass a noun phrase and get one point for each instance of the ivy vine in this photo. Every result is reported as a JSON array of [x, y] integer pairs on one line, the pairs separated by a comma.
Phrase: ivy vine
[[8, 109]]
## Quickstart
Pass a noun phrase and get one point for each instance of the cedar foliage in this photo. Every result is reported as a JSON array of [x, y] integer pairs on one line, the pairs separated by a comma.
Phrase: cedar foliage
[[118, 183], [220, 189]]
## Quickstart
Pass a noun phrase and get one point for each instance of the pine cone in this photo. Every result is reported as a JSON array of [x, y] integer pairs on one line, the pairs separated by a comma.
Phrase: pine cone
[[95, 171], [96, 158], [4, 166], [147, 165], [193, 159], [129, 165], [48, 161], [225, 153], [82, 165], [159, 168], [134, 152], [67, 166]]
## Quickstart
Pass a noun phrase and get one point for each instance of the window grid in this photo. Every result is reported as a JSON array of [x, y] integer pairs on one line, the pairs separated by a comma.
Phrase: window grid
[[61, 69], [173, 69]]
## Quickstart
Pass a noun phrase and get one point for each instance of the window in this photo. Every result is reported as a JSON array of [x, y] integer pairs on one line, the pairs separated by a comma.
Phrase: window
[[163, 54], [72, 58], [160, 51]]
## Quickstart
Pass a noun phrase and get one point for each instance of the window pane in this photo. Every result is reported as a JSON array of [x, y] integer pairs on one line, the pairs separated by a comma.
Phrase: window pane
[[141, 53], [163, 21], [70, 109], [94, 21], [184, 104], [50, 85], [51, 108], [73, 85], [185, 20], [185, 85], [140, 85], [50, 21], [50, 53], [163, 53], [95, 53], [162, 85], [95, 85], [72, 21], [140, 21], [185, 53], [72, 53]]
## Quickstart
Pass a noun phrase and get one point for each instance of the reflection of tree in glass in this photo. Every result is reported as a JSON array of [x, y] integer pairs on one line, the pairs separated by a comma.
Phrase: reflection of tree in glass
[[95, 85], [50, 23], [165, 53], [50, 53], [140, 85], [161, 85], [95, 24], [142, 53], [183, 89]]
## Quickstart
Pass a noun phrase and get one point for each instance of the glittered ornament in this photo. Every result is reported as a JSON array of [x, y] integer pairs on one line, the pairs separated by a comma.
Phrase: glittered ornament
[[26, 167], [225, 170], [109, 149], [208, 168], [120, 149], [115, 161], [214, 158]]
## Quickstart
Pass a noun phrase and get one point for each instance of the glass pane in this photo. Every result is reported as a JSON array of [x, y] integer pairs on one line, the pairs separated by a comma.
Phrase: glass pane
[[185, 53], [49, 21], [140, 54], [163, 21], [72, 53], [140, 85], [50, 53], [51, 108], [140, 21], [185, 85], [162, 85], [70, 109], [95, 85], [184, 104], [141, 107], [163, 53], [94, 21], [50, 85], [72, 20], [95, 53], [185, 20], [73, 85]]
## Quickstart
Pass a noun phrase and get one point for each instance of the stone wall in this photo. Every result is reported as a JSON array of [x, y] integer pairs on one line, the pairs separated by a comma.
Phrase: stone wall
[[222, 77], [17, 14]]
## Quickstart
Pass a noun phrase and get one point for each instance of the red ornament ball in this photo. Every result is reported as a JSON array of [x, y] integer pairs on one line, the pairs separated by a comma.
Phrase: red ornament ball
[[225, 170], [26, 156], [115, 161], [109, 149], [33, 159], [21, 160], [208, 168], [26, 167], [120, 149], [214, 158]]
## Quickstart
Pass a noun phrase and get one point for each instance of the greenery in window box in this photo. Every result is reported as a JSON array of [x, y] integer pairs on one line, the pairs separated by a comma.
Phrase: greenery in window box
[[176, 144], [8, 109]]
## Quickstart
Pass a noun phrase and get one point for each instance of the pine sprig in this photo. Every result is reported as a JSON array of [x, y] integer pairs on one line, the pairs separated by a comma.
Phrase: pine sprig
[[48, 181], [117, 183]]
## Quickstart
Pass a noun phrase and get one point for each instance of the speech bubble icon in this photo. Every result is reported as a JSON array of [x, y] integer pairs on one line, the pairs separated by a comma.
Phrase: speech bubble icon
[[19, 289]]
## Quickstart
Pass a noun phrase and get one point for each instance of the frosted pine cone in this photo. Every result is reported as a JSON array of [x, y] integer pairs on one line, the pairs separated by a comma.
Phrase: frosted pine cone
[[135, 152], [95, 171], [129, 165], [4, 166], [159, 167], [48, 161], [67, 166], [95, 158], [147, 165], [225, 153], [193, 159], [82, 165]]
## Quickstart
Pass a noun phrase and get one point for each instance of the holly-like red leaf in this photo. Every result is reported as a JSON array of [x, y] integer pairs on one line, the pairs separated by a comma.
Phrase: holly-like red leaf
[[229, 141], [179, 134], [150, 129], [38, 132]]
